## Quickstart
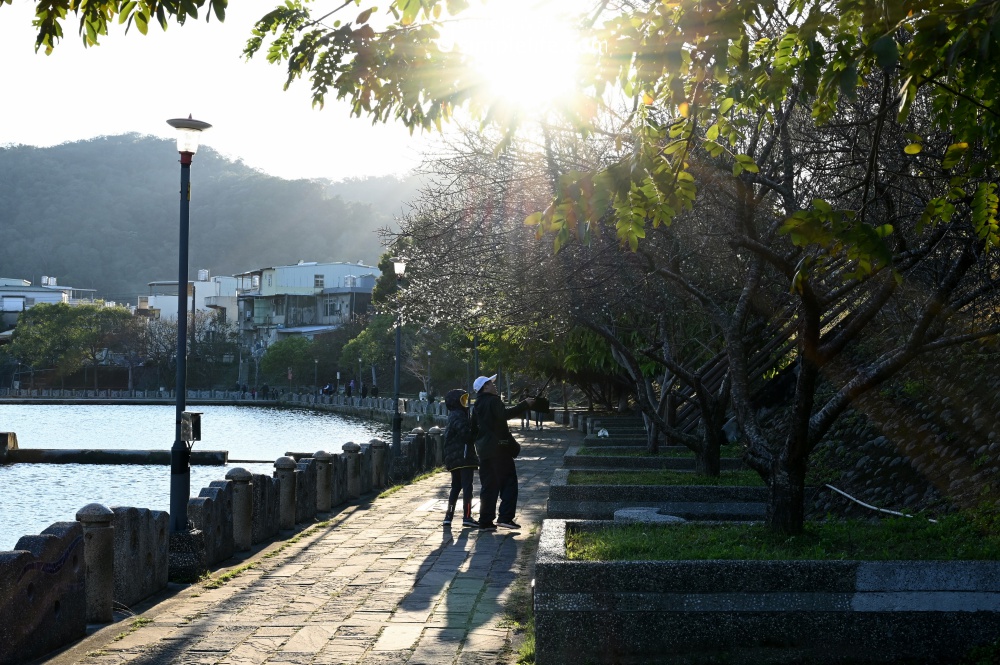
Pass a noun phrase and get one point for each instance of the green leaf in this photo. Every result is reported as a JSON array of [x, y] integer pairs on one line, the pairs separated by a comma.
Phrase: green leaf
[[747, 163], [954, 154], [727, 104], [913, 149], [534, 219], [886, 52], [674, 147], [364, 16]]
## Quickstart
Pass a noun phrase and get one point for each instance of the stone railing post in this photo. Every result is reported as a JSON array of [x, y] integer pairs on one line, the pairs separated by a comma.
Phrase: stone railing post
[[324, 481], [418, 450], [380, 468], [284, 471], [353, 469], [99, 558], [435, 444], [242, 508]]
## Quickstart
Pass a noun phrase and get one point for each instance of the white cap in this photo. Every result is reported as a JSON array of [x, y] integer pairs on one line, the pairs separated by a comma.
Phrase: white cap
[[478, 384]]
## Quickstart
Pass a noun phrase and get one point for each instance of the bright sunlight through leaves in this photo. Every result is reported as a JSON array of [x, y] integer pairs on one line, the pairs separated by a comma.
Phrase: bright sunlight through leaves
[[527, 53]]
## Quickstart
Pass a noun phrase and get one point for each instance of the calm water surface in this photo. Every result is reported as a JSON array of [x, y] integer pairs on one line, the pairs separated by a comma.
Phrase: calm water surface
[[33, 496]]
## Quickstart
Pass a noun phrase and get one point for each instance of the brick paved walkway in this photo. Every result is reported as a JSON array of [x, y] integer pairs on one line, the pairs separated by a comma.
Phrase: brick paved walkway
[[383, 584]]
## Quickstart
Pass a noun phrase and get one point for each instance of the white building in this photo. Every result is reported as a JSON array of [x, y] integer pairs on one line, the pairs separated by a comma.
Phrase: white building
[[17, 295], [205, 294], [304, 299]]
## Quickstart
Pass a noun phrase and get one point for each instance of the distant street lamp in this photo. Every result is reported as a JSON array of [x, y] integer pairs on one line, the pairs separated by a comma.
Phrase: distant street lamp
[[316, 374], [399, 267], [428, 375], [188, 132]]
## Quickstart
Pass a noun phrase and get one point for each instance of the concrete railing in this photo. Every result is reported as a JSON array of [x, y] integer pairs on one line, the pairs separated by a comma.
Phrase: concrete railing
[[74, 573]]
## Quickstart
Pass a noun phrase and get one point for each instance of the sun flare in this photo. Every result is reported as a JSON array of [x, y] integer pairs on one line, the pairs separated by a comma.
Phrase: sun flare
[[526, 54]]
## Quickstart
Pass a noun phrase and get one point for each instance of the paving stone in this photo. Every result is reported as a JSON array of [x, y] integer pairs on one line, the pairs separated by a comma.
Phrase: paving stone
[[398, 636], [385, 658]]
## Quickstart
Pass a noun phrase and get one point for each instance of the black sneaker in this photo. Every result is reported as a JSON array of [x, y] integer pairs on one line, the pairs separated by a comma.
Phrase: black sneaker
[[509, 524], [469, 521], [446, 521], [489, 526]]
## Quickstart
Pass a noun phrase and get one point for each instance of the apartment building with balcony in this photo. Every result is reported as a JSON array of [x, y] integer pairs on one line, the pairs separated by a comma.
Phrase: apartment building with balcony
[[305, 299]]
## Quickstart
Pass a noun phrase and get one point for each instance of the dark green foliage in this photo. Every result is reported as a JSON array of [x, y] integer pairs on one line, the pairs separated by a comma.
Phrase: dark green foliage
[[103, 214]]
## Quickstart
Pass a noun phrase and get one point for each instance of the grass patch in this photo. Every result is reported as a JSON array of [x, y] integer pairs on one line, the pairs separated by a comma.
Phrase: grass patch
[[216, 582], [416, 479], [137, 623], [741, 478], [631, 451], [518, 612], [908, 539]]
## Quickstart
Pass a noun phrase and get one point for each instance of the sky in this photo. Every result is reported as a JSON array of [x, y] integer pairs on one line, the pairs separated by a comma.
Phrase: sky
[[135, 82]]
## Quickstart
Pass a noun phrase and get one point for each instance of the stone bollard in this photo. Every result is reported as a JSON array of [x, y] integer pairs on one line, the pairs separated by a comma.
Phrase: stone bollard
[[242, 508], [324, 481], [380, 469], [435, 444], [353, 469], [284, 471], [418, 450], [99, 556]]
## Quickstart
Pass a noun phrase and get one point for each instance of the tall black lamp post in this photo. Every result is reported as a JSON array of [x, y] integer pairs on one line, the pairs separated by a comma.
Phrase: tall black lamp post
[[399, 266], [188, 426]]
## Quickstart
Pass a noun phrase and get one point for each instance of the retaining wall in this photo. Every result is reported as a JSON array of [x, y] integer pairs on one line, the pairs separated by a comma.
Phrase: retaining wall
[[750, 612], [572, 459], [705, 502]]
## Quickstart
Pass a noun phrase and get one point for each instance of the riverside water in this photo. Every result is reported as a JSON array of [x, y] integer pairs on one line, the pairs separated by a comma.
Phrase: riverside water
[[33, 496]]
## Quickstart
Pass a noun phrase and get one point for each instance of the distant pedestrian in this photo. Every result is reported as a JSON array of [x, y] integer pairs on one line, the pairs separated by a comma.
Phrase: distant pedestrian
[[243, 391], [526, 419], [349, 388], [497, 449], [375, 390], [264, 391], [459, 455], [364, 390], [253, 393]]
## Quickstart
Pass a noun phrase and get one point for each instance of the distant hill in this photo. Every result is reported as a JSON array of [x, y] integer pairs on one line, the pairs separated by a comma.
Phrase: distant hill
[[103, 214]]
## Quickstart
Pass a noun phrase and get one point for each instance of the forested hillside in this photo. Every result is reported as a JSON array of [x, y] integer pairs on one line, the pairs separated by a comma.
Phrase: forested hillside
[[103, 214]]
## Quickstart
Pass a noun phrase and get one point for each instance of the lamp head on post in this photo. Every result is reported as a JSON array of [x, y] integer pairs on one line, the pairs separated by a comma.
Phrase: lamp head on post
[[398, 266], [188, 136]]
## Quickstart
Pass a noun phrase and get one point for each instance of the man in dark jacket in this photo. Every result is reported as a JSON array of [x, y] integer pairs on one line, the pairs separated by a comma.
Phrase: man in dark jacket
[[497, 449], [459, 455]]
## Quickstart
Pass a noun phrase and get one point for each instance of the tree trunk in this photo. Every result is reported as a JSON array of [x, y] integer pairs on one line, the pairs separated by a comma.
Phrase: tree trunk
[[786, 508], [670, 416], [707, 459], [652, 435]]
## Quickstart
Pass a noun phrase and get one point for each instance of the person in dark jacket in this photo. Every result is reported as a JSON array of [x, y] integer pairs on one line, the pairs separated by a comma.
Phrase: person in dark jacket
[[459, 455], [497, 449]]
